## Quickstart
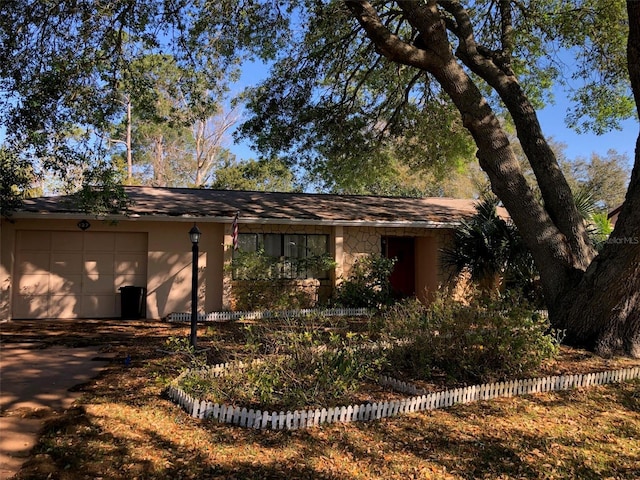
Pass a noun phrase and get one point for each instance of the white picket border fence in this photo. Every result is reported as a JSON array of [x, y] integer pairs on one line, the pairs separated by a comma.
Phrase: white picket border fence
[[259, 315], [258, 419]]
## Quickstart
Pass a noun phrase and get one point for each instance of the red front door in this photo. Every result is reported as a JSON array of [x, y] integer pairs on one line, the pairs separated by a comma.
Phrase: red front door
[[403, 277]]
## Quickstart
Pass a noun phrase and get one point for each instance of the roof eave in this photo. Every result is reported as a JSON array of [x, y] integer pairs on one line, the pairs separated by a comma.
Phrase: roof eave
[[242, 220]]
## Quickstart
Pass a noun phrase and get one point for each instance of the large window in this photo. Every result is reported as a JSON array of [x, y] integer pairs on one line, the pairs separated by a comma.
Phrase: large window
[[287, 256]]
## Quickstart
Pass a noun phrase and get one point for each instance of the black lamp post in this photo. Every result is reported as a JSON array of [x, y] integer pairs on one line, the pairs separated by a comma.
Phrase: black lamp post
[[194, 235]]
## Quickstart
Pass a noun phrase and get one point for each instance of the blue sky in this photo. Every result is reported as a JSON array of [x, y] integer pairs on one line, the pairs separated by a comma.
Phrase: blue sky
[[582, 145]]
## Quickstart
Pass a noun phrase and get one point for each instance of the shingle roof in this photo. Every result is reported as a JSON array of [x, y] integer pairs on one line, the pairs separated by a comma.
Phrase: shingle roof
[[272, 207]]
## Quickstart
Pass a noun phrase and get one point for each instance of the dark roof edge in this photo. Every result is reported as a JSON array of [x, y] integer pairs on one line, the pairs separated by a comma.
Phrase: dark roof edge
[[243, 220]]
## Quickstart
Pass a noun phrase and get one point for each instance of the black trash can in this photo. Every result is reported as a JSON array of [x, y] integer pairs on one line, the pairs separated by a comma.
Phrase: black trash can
[[133, 301]]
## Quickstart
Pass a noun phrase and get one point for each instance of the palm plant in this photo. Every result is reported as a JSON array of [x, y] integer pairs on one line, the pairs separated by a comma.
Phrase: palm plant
[[598, 225], [490, 249]]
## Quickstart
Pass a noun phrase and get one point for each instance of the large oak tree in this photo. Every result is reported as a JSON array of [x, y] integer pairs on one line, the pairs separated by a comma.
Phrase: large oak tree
[[595, 297], [491, 60]]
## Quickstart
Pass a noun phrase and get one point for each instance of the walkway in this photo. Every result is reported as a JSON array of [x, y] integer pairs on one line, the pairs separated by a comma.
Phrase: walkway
[[34, 384]]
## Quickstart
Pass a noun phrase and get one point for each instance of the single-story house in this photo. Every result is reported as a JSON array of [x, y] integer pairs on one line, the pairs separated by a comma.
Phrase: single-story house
[[58, 262]]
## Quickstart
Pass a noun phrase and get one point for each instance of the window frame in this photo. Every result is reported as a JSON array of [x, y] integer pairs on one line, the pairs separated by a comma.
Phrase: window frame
[[286, 269]]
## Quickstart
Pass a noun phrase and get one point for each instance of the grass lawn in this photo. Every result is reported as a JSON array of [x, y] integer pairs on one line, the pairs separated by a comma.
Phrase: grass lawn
[[123, 428]]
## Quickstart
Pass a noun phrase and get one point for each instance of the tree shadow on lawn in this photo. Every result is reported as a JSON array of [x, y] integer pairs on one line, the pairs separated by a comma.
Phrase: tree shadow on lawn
[[486, 440], [584, 433], [80, 333], [73, 447]]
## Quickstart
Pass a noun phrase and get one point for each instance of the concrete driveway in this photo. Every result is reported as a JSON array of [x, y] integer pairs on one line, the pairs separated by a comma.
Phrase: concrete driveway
[[35, 383]]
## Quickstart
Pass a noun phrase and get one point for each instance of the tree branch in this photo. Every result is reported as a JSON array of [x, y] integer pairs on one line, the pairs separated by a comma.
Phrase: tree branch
[[388, 44], [555, 190]]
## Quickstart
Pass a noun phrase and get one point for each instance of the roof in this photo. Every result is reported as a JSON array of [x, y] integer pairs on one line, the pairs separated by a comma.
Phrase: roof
[[613, 214], [188, 204]]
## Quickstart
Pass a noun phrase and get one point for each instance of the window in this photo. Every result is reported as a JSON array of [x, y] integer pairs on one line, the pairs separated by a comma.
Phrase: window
[[288, 256]]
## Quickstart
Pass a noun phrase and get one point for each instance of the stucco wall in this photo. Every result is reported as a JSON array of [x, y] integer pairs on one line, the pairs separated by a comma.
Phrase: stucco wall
[[168, 266], [169, 256]]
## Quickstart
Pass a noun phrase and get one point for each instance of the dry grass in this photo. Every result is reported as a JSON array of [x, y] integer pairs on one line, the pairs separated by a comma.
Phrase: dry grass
[[124, 429]]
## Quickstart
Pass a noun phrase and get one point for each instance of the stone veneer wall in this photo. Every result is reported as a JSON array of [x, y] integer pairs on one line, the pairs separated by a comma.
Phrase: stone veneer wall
[[362, 241]]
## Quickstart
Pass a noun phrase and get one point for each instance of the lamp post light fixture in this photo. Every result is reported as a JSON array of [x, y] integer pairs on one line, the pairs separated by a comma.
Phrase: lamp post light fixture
[[194, 236]]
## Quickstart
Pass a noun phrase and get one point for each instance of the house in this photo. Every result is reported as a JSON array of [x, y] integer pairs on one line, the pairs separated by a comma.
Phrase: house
[[58, 262]]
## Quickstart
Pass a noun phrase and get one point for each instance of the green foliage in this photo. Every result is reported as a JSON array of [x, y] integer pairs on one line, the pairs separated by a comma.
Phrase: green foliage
[[604, 179], [599, 229], [302, 364], [15, 179], [67, 71], [102, 192], [598, 225], [182, 348], [259, 175], [250, 295], [265, 282], [259, 265], [368, 284], [491, 250], [482, 341], [331, 103], [334, 106]]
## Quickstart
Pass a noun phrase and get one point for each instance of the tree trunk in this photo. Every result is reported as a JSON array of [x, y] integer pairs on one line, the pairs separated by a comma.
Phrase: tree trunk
[[603, 312], [128, 141], [597, 300], [158, 162]]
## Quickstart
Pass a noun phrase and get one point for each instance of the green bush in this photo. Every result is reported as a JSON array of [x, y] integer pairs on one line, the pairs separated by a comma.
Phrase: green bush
[[262, 282], [301, 365], [484, 341], [316, 361], [368, 283], [252, 295]]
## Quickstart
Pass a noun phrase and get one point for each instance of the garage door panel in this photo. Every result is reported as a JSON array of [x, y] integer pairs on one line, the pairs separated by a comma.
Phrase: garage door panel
[[131, 263], [31, 306], [131, 242], [66, 241], [63, 306], [133, 280], [37, 284], [99, 306], [99, 263], [99, 242], [98, 284], [69, 285], [33, 263], [33, 240], [66, 263]]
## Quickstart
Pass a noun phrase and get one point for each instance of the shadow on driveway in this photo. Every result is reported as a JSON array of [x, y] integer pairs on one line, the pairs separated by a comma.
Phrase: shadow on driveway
[[35, 383]]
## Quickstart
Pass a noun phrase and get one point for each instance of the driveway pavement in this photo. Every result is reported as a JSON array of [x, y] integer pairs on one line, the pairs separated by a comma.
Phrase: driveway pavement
[[35, 383]]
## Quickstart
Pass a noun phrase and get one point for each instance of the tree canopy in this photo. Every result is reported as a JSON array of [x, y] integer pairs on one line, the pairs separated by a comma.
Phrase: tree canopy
[[68, 70]]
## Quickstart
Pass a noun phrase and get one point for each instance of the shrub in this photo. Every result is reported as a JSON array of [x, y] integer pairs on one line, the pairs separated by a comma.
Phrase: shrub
[[273, 295], [368, 283], [301, 365], [483, 341], [271, 283]]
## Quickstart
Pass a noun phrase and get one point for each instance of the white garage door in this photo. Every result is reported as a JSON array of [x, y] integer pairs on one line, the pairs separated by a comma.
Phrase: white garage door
[[75, 274]]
